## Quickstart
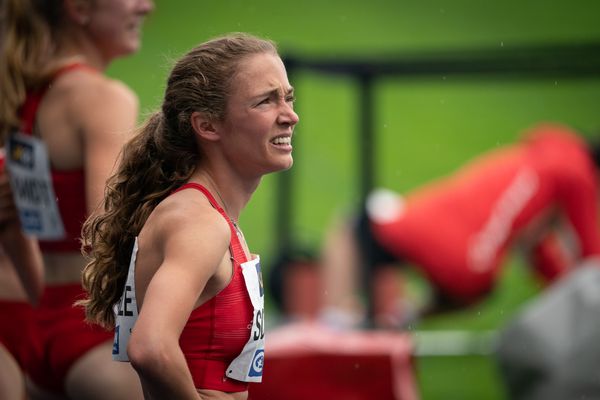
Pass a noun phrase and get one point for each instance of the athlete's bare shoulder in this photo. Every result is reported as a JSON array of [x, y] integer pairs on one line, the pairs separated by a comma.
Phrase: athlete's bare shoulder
[[187, 214], [90, 90]]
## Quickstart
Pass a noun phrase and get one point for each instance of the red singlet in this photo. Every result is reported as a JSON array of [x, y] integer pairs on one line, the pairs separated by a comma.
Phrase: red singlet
[[69, 186], [217, 330]]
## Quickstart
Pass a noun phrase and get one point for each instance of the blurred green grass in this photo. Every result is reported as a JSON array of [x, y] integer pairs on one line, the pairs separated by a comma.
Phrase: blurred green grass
[[425, 128]]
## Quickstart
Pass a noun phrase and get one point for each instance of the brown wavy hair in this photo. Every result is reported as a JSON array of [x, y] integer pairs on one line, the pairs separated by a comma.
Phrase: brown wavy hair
[[158, 159], [28, 30]]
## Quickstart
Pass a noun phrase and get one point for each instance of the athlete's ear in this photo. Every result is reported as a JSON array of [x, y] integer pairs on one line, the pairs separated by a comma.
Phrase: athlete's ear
[[79, 11], [204, 126]]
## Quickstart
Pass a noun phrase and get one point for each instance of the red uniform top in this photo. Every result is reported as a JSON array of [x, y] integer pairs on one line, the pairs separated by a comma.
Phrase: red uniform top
[[458, 229], [217, 330], [69, 186]]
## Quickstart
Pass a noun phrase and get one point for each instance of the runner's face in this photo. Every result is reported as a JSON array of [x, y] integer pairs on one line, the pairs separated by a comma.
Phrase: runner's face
[[260, 117], [115, 25]]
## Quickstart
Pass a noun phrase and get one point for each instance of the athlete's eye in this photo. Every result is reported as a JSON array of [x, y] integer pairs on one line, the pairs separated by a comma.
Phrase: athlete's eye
[[266, 100]]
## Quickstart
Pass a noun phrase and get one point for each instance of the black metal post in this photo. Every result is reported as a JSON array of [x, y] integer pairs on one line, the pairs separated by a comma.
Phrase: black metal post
[[366, 136]]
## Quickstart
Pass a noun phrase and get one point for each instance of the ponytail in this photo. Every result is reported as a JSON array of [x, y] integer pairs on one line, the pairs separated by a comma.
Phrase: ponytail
[[152, 166]]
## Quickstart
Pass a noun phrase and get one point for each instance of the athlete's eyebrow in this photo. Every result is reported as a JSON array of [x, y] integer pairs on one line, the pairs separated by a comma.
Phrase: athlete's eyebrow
[[277, 92]]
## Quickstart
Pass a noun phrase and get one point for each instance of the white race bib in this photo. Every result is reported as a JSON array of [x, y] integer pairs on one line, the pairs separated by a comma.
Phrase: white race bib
[[248, 366], [126, 312], [29, 169]]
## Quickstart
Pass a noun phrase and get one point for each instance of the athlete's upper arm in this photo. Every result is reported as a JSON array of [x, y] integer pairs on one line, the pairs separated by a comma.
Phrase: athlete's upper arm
[[193, 247], [108, 118]]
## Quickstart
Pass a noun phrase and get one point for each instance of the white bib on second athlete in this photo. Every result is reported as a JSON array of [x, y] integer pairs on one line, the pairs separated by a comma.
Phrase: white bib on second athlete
[[31, 182], [248, 366]]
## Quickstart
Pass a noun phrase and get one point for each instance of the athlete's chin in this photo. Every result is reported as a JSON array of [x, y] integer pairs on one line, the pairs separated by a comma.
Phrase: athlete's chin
[[287, 164], [128, 47], [281, 164]]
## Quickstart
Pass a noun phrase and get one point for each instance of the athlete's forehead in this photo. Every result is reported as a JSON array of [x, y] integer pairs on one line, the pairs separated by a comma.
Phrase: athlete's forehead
[[261, 75]]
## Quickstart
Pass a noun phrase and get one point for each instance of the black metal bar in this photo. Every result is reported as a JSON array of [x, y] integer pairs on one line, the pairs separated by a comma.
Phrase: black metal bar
[[366, 136], [366, 168], [567, 60]]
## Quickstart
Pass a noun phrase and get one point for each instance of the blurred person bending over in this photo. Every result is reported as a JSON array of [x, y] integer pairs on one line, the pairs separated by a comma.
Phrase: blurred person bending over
[[540, 194], [167, 250], [64, 122]]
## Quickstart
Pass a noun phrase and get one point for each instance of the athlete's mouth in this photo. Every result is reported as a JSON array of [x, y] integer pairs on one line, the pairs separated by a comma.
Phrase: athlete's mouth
[[282, 140]]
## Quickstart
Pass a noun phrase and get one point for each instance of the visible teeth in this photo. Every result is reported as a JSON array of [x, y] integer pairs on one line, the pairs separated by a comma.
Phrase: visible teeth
[[282, 140]]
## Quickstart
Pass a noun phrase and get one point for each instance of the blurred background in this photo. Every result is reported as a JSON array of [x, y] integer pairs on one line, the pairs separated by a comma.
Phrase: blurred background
[[424, 126]]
